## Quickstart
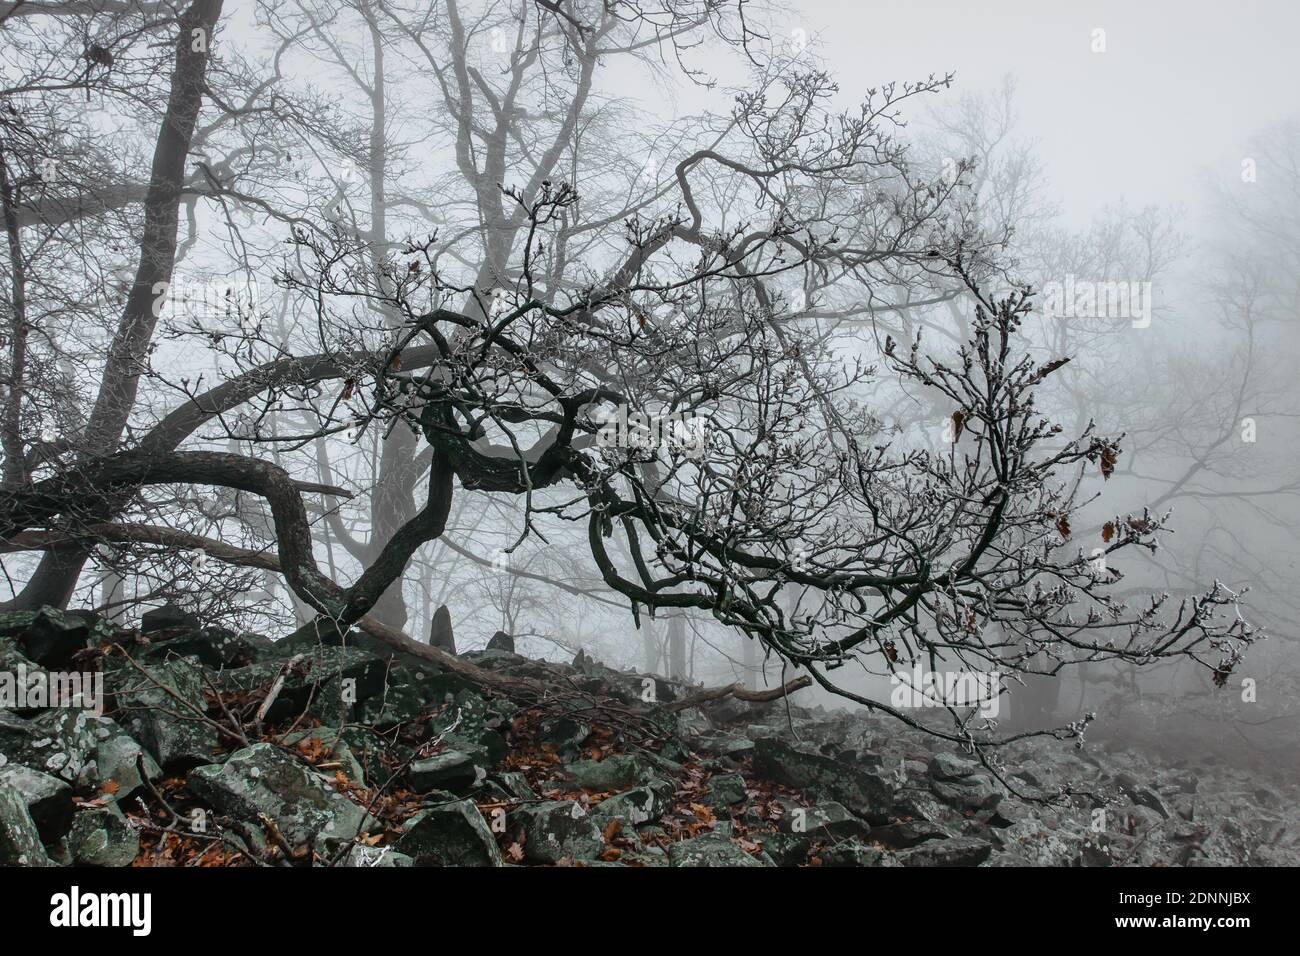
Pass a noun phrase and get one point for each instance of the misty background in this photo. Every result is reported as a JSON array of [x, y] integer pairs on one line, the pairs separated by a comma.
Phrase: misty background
[[1170, 155]]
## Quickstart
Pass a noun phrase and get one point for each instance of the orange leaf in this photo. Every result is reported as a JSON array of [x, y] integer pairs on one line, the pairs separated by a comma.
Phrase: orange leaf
[[109, 787], [611, 830], [1108, 531]]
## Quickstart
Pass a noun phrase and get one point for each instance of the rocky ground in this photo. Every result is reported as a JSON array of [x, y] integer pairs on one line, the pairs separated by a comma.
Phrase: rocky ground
[[219, 749]]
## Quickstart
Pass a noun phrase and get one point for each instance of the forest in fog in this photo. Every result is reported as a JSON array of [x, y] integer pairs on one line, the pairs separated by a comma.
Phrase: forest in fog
[[489, 406]]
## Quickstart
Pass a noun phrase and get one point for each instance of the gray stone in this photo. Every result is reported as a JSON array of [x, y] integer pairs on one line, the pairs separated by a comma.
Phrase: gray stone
[[501, 641], [375, 856], [166, 618], [615, 772], [631, 808], [163, 706], [440, 632], [451, 834], [865, 793], [726, 789], [826, 819], [556, 829], [101, 836], [48, 799], [20, 841], [451, 769], [261, 779], [901, 836], [709, 850], [960, 851], [854, 853]]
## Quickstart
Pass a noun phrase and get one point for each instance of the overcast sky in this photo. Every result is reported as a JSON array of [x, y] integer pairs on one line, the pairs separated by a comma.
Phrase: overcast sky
[[1179, 90]]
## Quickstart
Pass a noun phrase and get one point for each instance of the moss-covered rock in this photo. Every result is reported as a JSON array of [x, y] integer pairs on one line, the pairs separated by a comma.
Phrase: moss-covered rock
[[262, 779], [556, 829], [451, 834], [101, 836]]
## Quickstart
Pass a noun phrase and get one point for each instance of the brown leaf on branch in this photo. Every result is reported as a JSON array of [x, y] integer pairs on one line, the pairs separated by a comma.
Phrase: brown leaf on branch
[[1063, 525], [958, 423], [1107, 531], [1109, 456], [348, 385]]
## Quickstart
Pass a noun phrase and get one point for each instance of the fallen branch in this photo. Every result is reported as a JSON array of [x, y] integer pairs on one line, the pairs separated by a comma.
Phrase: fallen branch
[[740, 692]]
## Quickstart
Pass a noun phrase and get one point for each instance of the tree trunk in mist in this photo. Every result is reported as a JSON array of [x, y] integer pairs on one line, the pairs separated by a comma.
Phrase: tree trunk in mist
[[393, 502], [56, 575], [649, 647], [677, 658]]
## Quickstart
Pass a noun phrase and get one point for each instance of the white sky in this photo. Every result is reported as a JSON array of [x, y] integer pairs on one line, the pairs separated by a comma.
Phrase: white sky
[[1181, 88]]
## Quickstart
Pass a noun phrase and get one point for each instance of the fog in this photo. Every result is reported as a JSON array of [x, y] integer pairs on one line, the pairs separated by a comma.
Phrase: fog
[[686, 221]]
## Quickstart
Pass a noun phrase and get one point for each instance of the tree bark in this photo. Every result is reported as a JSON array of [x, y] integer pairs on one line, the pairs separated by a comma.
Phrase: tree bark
[[56, 576]]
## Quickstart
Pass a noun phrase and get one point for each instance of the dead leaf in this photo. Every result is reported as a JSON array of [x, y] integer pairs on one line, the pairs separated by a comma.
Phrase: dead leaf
[[958, 423], [1108, 531], [1063, 526], [515, 852], [109, 787], [1109, 456]]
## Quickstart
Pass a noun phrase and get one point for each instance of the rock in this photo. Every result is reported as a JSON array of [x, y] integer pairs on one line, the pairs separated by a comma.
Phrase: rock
[[726, 789], [328, 677], [960, 851], [261, 779], [451, 770], [853, 853], [163, 706], [215, 647], [902, 836], [555, 829], [517, 786], [723, 745], [785, 849], [919, 805], [20, 841], [169, 617], [958, 783], [59, 742], [452, 834], [565, 733], [51, 637], [501, 641], [631, 808], [615, 772], [946, 766], [864, 793], [440, 633], [375, 856], [102, 837], [709, 850], [333, 744], [825, 820], [48, 799], [117, 759]]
